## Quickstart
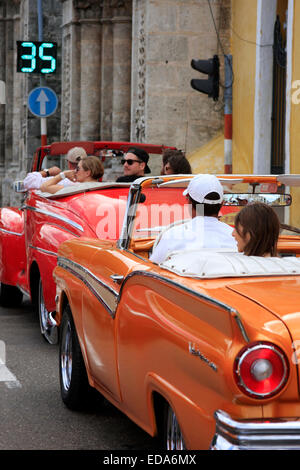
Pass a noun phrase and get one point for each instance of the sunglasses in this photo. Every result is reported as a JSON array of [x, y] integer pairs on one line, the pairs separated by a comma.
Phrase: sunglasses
[[77, 159], [130, 161]]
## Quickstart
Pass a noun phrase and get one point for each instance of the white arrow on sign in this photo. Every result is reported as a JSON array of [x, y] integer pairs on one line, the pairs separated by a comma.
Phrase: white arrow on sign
[[42, 99]]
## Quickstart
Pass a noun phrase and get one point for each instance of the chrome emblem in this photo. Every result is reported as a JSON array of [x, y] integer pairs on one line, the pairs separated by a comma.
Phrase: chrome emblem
[[196, 352]]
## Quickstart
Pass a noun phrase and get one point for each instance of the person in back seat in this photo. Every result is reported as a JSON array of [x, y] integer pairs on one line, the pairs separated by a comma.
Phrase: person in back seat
[[135, 165], [174, 162], [89, 169], [35, 179], [257, 230], [204, 230]]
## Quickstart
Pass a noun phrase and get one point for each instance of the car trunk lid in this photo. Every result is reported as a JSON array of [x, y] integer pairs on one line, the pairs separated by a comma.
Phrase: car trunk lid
[[281, 297]]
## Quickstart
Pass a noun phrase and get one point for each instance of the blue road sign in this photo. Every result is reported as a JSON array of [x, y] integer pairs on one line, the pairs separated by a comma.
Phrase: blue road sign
[[42, 101]]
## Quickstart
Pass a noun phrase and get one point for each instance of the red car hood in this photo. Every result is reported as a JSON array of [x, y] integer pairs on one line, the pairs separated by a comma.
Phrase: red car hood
[[102, 211]]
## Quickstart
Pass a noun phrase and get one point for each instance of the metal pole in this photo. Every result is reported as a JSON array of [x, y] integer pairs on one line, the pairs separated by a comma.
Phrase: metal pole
[[228, 115], [40, 19], [40, 35]]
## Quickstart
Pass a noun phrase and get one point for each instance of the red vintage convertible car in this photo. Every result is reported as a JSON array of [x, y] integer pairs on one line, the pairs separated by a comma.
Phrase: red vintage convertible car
[[31, 234], [202, 348]]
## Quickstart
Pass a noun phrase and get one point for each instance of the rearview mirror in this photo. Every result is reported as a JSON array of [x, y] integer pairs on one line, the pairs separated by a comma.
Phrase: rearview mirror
[[242, 199], [19, 187]]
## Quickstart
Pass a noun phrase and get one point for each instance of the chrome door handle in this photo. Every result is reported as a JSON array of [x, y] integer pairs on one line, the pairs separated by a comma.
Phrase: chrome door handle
[[117, 278]]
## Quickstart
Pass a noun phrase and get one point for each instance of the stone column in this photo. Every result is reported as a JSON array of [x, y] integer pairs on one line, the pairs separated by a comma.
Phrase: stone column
[[90, 79], [121, 71], [70, 97], [81, 74], [138, 86], [166, 36], [9, 163], [106, 73], [18, 97], [9, 82], [2, 77]]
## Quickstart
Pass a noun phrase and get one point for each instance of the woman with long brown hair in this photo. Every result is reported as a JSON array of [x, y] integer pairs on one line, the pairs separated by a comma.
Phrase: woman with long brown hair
[[257, 230]]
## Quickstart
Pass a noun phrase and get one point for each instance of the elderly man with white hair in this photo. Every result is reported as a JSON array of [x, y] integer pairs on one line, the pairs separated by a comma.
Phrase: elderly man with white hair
[[35, 179], [204, 230]]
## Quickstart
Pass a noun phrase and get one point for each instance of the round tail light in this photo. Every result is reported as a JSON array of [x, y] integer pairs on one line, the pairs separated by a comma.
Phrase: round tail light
[[261, 370]]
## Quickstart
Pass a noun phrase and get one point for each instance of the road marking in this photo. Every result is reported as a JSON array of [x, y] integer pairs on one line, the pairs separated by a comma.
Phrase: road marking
[[6, 375]]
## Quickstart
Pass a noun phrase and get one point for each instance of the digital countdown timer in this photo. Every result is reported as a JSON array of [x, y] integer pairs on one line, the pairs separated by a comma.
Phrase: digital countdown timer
[[36, 57]]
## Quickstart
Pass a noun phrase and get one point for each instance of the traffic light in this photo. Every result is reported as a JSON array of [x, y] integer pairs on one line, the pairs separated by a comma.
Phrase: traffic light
[[209, 86]]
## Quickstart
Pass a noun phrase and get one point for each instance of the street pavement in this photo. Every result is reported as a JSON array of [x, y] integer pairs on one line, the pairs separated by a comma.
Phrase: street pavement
[[32, 415]]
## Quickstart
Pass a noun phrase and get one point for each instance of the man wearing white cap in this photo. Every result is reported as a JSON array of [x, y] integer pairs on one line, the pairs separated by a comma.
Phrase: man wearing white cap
[[35, 179], [204, 230]]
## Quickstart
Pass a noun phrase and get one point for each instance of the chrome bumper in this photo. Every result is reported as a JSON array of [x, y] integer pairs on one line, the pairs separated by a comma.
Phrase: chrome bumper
[[266, 434], [51, 330]]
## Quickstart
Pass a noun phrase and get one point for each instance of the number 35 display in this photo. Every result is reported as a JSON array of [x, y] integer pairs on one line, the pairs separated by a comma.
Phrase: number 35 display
[[36, 57]]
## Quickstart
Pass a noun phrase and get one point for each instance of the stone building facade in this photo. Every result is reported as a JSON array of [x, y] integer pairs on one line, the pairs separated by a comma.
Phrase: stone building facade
[[123, 74]]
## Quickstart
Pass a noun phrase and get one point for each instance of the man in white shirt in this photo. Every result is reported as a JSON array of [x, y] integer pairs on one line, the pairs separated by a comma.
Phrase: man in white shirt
[[35, 179], [204, 230]]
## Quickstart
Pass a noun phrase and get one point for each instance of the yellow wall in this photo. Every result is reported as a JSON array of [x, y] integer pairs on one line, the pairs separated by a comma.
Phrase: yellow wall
[[295, 115], [209, 158], [243, 37], [244, 60]]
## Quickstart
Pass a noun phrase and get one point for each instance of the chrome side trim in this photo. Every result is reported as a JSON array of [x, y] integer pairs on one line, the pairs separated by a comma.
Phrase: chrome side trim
[[176, 284], [104, 293], [232, 311], [66, 230], [240, 325], [18, 234], [260, 434], [42, 250], [56, 216]]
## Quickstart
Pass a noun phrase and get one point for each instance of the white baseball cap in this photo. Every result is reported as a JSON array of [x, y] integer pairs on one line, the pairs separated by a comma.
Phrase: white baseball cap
[[201, 185], [75, 154]]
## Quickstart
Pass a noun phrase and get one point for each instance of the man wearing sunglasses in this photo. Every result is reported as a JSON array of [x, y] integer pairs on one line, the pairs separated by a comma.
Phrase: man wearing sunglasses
[[135, 165]]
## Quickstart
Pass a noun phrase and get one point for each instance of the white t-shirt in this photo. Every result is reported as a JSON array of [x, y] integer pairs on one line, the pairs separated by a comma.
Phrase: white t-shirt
[[34, 180], [198, 233]]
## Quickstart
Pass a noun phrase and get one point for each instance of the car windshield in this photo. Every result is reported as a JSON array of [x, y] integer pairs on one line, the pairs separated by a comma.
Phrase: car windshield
[[55, 160], [160, 208], [164, 205]]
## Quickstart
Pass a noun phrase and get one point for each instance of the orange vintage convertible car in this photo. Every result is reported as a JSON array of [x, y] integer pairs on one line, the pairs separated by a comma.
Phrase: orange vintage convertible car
[[201, 349]]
